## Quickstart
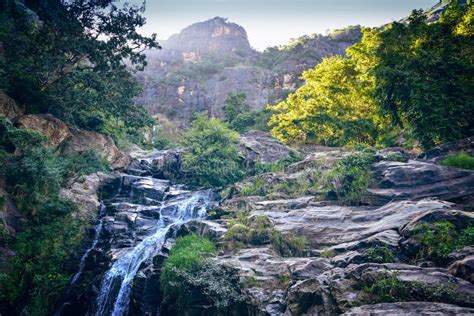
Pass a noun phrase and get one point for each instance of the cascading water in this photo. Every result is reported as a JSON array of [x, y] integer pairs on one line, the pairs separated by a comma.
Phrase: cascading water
[[126, 267], [137, 212], [97, 231]]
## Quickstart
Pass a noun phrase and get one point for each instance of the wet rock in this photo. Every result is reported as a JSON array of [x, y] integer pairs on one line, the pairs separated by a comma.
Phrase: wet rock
[[9, 108], [55, 130], [212, 230], [409, 309], [82, 141]]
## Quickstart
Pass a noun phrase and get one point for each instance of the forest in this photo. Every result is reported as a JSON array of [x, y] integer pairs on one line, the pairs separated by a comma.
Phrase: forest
[[238, 183]]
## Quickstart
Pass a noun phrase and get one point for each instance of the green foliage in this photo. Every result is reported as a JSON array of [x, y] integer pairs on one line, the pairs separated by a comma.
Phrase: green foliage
[[212, 155], [36, 276], [438, 240], [389, 288], [460, 160], [350, 178], [333, 107], [381, 254], [419, 74], [68, 58], [259, 231], [328, 253], [424, 75], [235, 104], [188, 272]]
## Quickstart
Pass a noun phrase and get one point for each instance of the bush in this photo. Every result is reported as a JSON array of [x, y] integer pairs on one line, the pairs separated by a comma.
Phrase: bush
[[212, 156], [36, 275], [388, 288], [350, 178], [438, 240], [260, 231], [188, 275], [460, 160], [380, 254]]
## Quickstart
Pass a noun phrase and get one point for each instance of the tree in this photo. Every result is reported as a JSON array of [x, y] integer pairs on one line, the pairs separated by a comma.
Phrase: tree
[[425, 75], [235, 104], [73, 57], [212, 153], [335, 106]]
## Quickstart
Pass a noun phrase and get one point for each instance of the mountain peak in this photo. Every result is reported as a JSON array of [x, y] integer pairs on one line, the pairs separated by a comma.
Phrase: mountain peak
[[216, 36]]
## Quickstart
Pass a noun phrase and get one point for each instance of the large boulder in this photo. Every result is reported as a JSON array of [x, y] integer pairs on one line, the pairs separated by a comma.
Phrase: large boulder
[[8, 107], [258, 146], [417, 180], [424, 284], [84, 192], [81, 141], [53, 128]]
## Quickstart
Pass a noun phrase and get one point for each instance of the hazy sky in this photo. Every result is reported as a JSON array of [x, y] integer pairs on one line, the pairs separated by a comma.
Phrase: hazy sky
[[274, 22]]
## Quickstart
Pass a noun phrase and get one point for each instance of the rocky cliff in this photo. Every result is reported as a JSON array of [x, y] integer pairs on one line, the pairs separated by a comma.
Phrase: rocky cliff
[[197, 68]]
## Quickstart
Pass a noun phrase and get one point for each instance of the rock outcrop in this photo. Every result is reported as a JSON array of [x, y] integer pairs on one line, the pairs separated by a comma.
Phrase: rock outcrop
[[9, 108], [55, 130], [261, 147], [197, 68], [81, 141]]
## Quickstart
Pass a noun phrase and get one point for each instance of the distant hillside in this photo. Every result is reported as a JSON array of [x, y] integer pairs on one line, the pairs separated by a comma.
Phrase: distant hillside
[[197, 68]]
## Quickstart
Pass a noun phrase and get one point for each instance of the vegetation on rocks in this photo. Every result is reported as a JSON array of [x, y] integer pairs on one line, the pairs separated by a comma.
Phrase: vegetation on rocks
[[380, 254], [259, 230], [390, 288], [439, 239], [189, 275], [34, 175], [461, 160]]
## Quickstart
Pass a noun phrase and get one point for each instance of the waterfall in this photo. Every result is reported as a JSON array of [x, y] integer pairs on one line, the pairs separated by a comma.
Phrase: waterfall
[[192, 205], [97, 231]]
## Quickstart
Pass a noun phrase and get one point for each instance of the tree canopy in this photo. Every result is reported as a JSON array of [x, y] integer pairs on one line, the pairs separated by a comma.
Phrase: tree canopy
[[418, 74]]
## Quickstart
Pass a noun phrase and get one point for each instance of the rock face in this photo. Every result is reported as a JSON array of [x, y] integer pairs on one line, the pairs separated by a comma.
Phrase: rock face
[[355, 259], [8, 107], [216, 36], [53, 128], [259, 146], [197, 68], [417, 179], [81, 141]]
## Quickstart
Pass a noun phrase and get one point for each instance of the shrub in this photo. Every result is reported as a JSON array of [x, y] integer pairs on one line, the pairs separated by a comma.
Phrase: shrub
[[460, 160], [389, 288], [438, 240], [380, 254], [260, 231], [188, 273], [328, 253], [212, 156], [350, 178], [36, 275]]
